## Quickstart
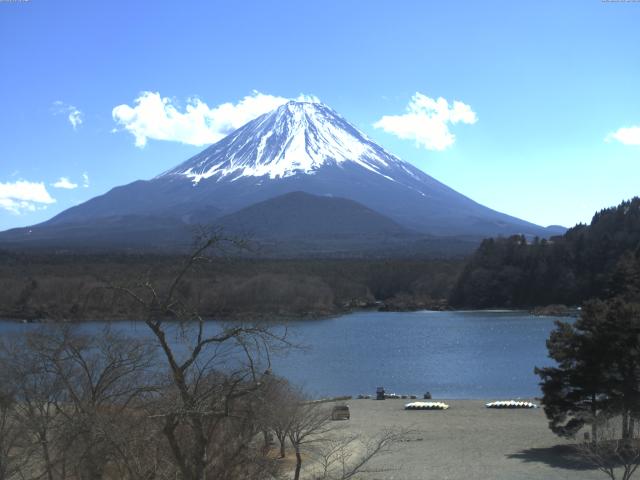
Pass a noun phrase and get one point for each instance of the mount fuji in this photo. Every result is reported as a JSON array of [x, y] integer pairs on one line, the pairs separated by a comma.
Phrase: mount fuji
[[300, 172]]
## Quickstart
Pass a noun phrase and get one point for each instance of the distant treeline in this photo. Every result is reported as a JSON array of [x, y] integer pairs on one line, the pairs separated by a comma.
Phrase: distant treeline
[[80, 287], [600, 260]]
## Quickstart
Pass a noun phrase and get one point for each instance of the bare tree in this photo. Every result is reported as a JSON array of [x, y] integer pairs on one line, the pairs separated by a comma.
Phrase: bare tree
[[140, 452], [613, 452], [38, 392], [334, 456], [309, 423], [72, 390], [212, 377], [83, 404], [190, 404], [279, 403], [348, 457], [14, 454], [102, 376]]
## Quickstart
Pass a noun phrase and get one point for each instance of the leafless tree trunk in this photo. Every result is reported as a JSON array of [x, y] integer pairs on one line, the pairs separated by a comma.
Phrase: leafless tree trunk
[[211, 385], [309, 422], [279, 401], [13, 452], [191, 404], [72, 390], [102, 377], [34, 413]]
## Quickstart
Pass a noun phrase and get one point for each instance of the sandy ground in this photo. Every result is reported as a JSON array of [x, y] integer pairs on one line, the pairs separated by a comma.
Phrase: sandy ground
[[468, 441]]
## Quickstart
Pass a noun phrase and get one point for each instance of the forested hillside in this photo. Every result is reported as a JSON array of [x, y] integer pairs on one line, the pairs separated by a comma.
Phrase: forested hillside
[[79, 287], [597, 260]]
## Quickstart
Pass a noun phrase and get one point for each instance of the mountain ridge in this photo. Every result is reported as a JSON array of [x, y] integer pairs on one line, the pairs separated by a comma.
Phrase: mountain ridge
[[299, 147]]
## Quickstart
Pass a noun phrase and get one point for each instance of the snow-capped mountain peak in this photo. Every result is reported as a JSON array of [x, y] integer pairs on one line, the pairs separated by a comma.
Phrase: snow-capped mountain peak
[[296, 138], [276, 175]]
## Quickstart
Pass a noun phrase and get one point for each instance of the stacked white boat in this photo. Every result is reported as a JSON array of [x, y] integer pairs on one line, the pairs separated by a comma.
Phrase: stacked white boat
[[511, 404], [426, 406]]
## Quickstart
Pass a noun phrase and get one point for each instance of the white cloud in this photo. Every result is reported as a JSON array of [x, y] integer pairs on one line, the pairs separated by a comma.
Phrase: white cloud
[[307, 98], [427, 121], [22, 195], [65, 183], [626, 136], [74, 115], [158, 118], [85, 180]]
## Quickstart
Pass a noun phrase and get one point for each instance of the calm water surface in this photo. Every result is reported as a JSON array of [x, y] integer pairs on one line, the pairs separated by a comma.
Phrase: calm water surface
[[478, 354]]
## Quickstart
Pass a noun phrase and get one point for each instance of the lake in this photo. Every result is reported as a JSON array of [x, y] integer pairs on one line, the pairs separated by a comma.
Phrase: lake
[[456, 355]]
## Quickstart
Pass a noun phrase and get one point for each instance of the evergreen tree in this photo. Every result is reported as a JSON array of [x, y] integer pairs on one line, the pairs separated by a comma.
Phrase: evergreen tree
[[601, 260], [598, 369]]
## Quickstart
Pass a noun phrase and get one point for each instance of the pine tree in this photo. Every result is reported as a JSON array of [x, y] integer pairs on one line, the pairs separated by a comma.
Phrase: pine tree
[[598, 369]]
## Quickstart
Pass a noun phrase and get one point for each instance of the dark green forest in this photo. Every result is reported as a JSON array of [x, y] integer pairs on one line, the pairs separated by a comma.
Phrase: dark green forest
[[600, 260]]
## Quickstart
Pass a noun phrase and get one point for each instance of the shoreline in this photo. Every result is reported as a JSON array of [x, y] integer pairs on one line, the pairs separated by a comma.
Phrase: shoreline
[[308, 316]]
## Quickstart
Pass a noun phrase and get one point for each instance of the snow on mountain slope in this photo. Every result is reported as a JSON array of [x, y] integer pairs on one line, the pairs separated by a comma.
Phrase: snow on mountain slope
[[303, 146], [299, 147], [298, 137]]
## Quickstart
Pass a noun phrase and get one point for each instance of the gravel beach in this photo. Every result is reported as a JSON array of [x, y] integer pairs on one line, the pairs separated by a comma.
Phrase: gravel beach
[[467, 441]]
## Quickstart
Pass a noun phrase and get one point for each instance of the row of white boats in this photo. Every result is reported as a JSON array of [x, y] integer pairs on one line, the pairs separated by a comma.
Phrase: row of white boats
[[444, 406]]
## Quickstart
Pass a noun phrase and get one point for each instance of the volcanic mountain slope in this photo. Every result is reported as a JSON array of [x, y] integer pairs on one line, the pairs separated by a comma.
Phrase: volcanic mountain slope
[[299, 147], [300, 215]]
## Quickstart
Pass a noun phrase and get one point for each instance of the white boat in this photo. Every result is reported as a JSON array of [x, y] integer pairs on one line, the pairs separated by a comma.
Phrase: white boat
[[511, 404], [426, 406]]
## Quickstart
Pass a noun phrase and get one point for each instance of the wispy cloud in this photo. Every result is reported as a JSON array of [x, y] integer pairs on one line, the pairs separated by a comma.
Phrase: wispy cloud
[[74, 115], [626, 136], [306, 98], [85, 180], [24, 196], [427, 121], [65, 183], [155, 117]]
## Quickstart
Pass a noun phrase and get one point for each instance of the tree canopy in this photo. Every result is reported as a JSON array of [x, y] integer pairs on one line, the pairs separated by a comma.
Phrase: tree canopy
[[601, 260], [597, 372]]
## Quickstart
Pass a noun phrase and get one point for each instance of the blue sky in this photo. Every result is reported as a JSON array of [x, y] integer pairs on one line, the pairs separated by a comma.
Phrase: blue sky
[[549, 129]]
